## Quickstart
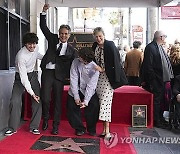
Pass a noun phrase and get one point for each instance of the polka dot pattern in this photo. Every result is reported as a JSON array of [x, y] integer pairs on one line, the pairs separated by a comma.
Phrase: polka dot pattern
[[104, 90]]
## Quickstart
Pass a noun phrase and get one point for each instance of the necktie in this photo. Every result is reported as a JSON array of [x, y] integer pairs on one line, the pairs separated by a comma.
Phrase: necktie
[[59, 49]]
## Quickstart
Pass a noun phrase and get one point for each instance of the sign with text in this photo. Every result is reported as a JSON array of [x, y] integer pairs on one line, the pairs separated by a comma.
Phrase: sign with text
[[170, 12], [137, 31], [139, 115], [81, 40]]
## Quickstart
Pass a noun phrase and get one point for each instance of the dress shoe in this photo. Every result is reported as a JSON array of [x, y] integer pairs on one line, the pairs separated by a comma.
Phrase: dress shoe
[[79, 133], [55, 131], [102, 135], [176, 130], [92, 134], [163, 121], [45, 125], [108, 137], [159, 124]]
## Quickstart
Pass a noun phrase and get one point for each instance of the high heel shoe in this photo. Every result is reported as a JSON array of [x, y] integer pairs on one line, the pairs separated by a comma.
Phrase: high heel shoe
[[107, 136]]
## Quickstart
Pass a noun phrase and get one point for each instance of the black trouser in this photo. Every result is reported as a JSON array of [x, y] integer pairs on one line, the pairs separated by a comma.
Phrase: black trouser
[[177, 111], [158, 90], [51, 84], [133, 80], [91, 113]]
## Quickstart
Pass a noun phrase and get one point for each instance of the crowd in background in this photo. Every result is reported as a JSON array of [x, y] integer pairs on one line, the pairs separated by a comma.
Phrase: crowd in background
[[160, 62]]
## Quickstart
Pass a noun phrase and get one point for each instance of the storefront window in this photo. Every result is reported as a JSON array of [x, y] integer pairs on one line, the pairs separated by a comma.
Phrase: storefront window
[[25, 9], [4, 3]]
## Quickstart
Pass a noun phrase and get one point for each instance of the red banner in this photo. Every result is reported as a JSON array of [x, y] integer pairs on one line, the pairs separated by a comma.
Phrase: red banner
[[170, 12]]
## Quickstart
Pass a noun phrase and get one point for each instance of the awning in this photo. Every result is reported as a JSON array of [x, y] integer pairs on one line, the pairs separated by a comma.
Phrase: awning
[[107, 3]]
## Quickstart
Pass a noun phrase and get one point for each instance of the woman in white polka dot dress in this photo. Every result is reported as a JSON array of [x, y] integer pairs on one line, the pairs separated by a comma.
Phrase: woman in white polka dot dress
[[111, 76]]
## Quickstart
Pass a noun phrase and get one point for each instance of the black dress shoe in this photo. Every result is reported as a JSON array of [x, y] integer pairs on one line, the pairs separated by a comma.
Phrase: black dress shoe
[[45, 125], [161, 125], [92, 134], [163, 121], [102, 135], [55, 131], [79, 133]]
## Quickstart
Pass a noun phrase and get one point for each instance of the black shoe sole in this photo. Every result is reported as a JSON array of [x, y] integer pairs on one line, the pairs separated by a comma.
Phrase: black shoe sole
[[93, 134], [45, 126], [102, 135], [54, 132], [80, 133]]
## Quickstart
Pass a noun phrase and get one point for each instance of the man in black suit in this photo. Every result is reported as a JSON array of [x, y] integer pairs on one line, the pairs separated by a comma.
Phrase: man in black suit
[[176, 101], [156, 71], [55, 67]]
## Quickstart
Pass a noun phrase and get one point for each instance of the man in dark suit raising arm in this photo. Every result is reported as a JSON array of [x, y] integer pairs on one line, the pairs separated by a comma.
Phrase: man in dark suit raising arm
[[55, 67]]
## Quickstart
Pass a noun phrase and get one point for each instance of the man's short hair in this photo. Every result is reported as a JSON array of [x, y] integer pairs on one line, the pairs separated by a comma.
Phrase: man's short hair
[[158, 34], [86, 54], [136, 44], [66, 27], [30, 38]]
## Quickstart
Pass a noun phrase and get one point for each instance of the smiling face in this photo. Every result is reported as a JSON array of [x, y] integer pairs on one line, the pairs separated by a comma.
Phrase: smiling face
[[64, 35], [99, 36], [30, 46]]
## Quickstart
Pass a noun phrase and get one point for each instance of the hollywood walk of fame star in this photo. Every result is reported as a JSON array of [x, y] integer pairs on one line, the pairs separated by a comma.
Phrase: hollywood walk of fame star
[[74, 42], [139, 112], [66, 144]]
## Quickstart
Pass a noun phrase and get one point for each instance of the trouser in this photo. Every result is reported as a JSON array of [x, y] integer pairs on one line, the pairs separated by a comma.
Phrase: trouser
[[49, 84], [16, 102], [133, 80], [91, 113], [158, 90]]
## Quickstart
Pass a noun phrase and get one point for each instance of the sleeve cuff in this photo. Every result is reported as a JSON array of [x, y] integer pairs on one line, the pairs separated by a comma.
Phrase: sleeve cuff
[[43, 13], [86, 102], [31, 92], [76, 97]]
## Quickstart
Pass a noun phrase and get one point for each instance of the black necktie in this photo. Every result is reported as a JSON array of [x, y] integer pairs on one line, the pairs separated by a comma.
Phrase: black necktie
[[59, 49]]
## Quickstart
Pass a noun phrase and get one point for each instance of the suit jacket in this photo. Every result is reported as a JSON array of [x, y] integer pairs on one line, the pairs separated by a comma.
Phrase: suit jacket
[[113, 68], [133, 62], [176, 86], [62, 63], [152, 65]]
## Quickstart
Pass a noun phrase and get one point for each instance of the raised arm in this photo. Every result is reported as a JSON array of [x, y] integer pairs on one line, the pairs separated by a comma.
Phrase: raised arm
[[43, 24]]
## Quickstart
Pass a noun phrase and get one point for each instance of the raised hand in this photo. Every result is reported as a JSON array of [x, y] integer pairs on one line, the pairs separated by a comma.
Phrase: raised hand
[[45, 7]]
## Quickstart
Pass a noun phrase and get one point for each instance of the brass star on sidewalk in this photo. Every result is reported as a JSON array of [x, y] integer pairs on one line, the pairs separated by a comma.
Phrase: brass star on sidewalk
[[66, 144]]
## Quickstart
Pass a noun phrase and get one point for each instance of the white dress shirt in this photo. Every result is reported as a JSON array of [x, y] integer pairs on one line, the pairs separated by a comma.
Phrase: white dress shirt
[[25, 63], [50, 65]]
